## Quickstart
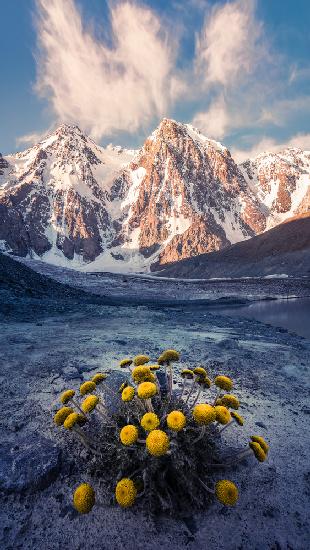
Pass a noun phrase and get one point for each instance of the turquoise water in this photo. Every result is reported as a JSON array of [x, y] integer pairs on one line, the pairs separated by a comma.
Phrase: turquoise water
[[292, 314]]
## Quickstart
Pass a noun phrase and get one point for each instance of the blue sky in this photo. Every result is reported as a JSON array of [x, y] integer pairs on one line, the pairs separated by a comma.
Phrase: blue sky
[[238, 70]]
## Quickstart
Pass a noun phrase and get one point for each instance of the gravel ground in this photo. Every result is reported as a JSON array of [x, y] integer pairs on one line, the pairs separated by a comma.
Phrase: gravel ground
[[39, 359]]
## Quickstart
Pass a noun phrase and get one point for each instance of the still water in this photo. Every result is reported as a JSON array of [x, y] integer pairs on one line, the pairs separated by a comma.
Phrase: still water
[[292, 314]]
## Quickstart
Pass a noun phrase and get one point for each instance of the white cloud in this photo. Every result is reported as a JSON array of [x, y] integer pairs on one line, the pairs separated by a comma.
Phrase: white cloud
[[215, 121], [300, 141], [105, 89], [30, 139], [229, 46]]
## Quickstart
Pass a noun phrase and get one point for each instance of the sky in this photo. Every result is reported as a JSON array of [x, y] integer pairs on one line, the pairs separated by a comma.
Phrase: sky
[[237, 70]]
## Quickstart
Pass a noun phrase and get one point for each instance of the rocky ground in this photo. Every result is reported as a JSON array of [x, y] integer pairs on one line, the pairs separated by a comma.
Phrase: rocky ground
[[57, 348]]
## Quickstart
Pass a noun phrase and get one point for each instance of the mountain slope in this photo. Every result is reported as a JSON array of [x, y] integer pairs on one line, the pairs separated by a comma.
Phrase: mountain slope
[[285, 249], [73, 203]]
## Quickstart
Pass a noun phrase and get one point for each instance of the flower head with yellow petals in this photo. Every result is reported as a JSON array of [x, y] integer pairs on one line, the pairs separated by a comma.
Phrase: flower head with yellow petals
[[89, 403], [146, 390], [150, 421], [66, 396], [128, 393], [62, 414], [87, 387], [226, 492], [176, 421], [84, 498], [157, 443], [223, 382], [125, 492], [204, 414], [128, 434], [140, 360], [222, 414]]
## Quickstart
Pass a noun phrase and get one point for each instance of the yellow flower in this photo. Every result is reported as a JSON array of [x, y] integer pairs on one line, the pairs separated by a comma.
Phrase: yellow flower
[[128, 393], [170, 355], [154, 367], [157, 443], [74, 418], [204, 381], [99, 377], [226, 492], [238, 418], [140, 360], [125, 492], [204, 414], [90, 403], [128, 434], [222, 414], [187, 373], [67, 396], [260, 440], [62, 414], [87, 387], [84, 498], [125, 363], [176, 421], [200, 371], [230, 401], [160, 360], [142, 374], [258, 451], [146, 390], [223, 382], [149, 421]]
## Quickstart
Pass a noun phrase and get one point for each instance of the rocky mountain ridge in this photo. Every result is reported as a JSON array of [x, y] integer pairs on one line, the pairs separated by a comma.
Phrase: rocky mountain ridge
[[76, 204]]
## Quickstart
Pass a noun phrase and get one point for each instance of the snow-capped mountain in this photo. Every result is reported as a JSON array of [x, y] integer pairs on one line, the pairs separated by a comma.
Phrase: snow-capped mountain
[[71, 202], [281, 182]]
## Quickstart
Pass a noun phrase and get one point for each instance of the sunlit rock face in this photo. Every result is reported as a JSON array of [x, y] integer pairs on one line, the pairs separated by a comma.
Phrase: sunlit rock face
[[71, 202]]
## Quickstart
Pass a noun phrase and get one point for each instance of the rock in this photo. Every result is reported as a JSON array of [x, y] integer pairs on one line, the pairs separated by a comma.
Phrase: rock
[[30, 464]]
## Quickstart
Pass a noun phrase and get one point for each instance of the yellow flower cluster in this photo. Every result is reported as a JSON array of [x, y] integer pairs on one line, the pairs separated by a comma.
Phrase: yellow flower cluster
[[90, 403], [125, 363], [73, 419], [259, 447], [84, 498], [204, 414], [176, 421], [140, 360], [204, 381], [87, 387], [146, 390], [222, 414], [187, 373], [260, 440], [230, 401], [149, 421], [62, 414], [99, 377], [66, 396], [200, 371], [125, 492], [238, 418], [128, 434], [223, 382], [226, 492], [128, 393], [142, 374], [157, 443], [170, 355]]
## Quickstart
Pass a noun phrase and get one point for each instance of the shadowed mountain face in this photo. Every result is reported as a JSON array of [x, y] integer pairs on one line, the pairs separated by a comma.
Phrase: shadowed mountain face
[[76, 204], [284, 249]]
